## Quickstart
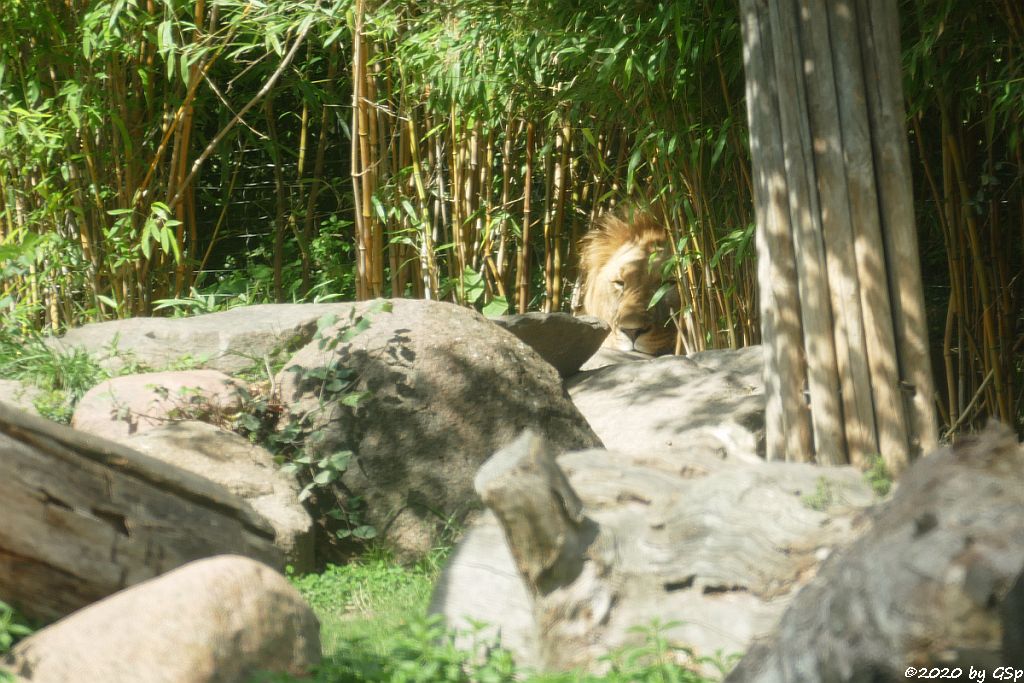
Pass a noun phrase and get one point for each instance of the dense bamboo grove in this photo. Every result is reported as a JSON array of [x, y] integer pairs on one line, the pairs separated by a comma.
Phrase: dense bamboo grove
[[965, 72], [191, 154]]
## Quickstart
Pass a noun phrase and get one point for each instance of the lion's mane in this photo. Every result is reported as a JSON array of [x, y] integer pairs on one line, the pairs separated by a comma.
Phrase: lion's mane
[[621, 260]]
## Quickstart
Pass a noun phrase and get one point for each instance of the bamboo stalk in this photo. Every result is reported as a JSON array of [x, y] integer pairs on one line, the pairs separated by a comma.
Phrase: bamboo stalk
[[360, 156], [990, 352], [280, 199], [546, 228], [506, 203], [428, 265], [376, 176], [522, 258], [316, 180], [560, 181], [355, 157]]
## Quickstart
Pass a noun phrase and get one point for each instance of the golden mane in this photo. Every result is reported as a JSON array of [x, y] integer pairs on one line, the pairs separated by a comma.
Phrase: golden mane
[[620, 267], [610, 232]]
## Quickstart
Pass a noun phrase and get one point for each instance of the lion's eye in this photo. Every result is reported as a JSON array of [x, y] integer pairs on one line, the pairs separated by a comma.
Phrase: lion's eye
[[619, 285]]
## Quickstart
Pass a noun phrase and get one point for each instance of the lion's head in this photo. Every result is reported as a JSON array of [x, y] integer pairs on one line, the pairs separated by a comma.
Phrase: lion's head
[[621, 264]]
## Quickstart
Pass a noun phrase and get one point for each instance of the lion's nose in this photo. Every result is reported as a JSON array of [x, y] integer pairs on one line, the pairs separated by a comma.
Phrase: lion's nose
[[634, 332]]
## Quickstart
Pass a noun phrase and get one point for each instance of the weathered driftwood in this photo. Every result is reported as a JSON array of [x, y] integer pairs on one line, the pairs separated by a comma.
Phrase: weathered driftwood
[[84, 517], [706, 541], [938, 580]]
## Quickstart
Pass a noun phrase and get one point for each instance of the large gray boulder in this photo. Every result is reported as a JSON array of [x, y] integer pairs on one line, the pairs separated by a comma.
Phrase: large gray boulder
[[933, 588], [121, 407], [246, 470], [607, 541], [445, 388], [221, 619], [711, 399], [229, 341], [566, 341]]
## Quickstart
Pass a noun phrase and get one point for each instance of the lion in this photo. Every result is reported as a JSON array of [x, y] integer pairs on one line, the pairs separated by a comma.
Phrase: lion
[[621, 269]]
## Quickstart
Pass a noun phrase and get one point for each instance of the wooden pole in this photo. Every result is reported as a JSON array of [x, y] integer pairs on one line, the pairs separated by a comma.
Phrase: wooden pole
[[868, 249], [841, 301], [879, 28], [786, 421], [797, 112]]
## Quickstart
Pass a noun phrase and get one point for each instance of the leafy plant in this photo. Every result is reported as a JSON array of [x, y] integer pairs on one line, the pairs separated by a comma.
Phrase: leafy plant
[[878, 477], [823, 498], [265, 420], [13, 627], [196, 303], [64, 376]]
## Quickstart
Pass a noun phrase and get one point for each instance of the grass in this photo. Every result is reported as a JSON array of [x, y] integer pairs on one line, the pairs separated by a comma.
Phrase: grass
[[878, 477], [361, 604], [823, 498], [64, 377], [375, 627]]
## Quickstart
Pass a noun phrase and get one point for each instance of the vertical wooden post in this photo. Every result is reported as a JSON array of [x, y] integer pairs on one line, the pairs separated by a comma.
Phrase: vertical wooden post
[[841, 301], [879, 27], [787, 429]]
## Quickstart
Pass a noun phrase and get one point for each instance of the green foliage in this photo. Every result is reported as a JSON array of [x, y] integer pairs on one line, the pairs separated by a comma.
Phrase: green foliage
[[393, 639], [878, 477], [64, 376], [13, 627], [375, 628], [823, 498], [265, 420], [196, 303], [103, 121]]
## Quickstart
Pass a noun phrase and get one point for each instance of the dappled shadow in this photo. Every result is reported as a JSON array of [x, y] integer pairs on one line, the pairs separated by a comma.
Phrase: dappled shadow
[[841, 305], [677, 402], [438, 405]]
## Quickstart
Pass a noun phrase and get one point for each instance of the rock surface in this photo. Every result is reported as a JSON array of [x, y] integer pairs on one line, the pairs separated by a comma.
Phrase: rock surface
[[18, 395], [121, 407], [243, 468], [715, 543], [84, 517], [564, 340], [221, 620], [229, 341], [711, 399], [446, 388], [936, 582], [606, 356]]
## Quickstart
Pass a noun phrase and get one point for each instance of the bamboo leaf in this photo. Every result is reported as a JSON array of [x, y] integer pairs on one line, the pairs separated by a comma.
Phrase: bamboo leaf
[[496, 307]]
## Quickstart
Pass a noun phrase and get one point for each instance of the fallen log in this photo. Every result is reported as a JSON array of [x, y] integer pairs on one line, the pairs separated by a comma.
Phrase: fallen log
[[84, 517], [934, 589]]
